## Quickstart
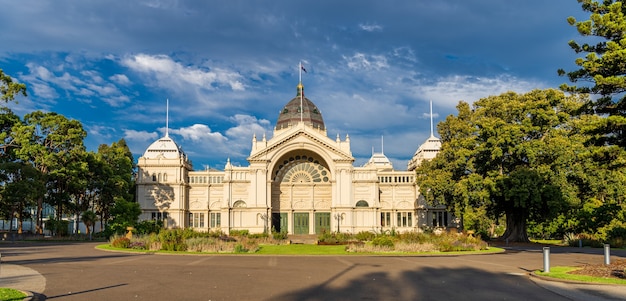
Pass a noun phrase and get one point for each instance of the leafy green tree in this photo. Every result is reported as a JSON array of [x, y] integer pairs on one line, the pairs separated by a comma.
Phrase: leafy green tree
[[10, 89], [22, 185], [51, 143], [7, 120], [511, 154], [125, 214], [603, 67], [115, 179]]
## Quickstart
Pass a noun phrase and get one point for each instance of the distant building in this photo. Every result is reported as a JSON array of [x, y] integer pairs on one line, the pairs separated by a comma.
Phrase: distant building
[[299, 181]]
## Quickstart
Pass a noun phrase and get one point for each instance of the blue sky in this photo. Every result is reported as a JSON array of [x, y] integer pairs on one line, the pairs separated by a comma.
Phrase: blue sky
[[228, 67]]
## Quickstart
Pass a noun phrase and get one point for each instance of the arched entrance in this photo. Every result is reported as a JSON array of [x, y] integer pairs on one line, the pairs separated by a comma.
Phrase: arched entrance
[[301, 193]]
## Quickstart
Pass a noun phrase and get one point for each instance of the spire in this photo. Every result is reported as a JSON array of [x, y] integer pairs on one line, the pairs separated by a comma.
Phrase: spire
[[382, 145], [432, 132], [167, 117]]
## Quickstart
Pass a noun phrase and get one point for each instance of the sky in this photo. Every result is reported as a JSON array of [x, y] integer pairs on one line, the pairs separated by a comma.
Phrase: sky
[[228, 67]]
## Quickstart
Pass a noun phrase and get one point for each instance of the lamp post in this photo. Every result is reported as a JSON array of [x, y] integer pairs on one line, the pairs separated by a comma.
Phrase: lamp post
[[338, 218]]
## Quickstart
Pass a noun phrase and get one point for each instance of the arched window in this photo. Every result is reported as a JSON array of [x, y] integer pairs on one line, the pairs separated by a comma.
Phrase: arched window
[[239, 204], [362, 203], [164, 177], [154, 178]]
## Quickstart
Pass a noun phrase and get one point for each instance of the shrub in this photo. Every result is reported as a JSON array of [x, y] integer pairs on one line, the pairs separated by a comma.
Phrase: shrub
[[172, 240], [416, 237], [138, 245], [121, 242], [282, 235], [149, 226], [239, 248], [259, 235], [57, 227], [240, 233], [383, 241], [365, 236]]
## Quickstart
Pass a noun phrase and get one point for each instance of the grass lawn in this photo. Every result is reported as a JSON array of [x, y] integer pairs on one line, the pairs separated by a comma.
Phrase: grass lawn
[[556, 242], [562, 273], [9, 294]]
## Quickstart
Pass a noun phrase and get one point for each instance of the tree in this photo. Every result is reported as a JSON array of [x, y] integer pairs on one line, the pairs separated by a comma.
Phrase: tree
[[604, 67], [511, 154], [51, 143], [89, 219], [10, 89], [115, 180], [7, 120], [21, 186]]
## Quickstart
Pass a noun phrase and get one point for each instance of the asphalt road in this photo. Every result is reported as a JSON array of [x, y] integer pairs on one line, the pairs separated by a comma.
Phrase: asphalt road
[[78, 271]]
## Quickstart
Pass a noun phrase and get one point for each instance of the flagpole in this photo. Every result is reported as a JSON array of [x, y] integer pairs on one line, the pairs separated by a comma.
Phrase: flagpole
[[301, 94], [167, 117]]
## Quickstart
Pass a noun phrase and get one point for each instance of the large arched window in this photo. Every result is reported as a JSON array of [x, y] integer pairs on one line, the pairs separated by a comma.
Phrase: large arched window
[[302, 169]]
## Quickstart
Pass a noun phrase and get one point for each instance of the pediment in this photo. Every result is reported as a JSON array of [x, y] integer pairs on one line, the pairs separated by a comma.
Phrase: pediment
[[301, 139]]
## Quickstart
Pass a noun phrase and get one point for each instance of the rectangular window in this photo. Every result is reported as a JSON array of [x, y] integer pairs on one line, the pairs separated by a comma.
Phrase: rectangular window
[[440, 219], [410, 218], [196, 220], [385, 219], [161, 216], [215, 219], [405, 219]]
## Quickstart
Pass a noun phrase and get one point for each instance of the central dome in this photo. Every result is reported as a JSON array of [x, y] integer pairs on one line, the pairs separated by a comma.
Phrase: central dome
[[299, 109]]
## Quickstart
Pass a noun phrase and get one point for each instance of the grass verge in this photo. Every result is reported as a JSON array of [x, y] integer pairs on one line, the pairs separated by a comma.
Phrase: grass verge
[[563, 274], [9, 294]]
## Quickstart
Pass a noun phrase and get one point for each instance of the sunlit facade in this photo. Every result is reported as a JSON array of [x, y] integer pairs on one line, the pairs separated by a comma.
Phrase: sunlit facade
[[299, 181]]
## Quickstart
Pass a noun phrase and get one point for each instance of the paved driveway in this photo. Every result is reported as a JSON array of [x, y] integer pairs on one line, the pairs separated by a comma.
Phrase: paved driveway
[[78, 271]]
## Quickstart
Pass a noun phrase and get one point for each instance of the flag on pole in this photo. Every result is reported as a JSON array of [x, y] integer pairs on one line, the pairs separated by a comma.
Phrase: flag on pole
[[302, 67]]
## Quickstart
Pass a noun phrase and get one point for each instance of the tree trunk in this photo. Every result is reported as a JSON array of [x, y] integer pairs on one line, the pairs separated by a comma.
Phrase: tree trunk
[[515, 227], [39, 217]]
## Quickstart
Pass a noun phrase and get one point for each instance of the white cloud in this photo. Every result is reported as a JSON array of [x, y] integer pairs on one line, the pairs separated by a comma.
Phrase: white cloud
[[247, 126], [199, 133], [370, 27], [116, 101], [120, 79], [367, 62], [173, 75], [86, 84], [133, 135], [448, 91]]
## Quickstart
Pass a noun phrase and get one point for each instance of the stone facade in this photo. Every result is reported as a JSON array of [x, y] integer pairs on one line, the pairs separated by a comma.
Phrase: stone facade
[[299, 181]]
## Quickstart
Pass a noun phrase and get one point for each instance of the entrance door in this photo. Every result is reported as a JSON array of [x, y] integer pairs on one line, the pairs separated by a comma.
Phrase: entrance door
[[280, 222], [322, 222], [300, 223]]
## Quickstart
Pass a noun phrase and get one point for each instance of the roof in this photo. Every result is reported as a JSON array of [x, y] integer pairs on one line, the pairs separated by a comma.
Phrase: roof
[[164, 147], [380, 161], [291, 114], [427, 151]]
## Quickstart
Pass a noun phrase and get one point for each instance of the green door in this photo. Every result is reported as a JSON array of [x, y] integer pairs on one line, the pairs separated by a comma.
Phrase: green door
[[322, 222], [300, 223]]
